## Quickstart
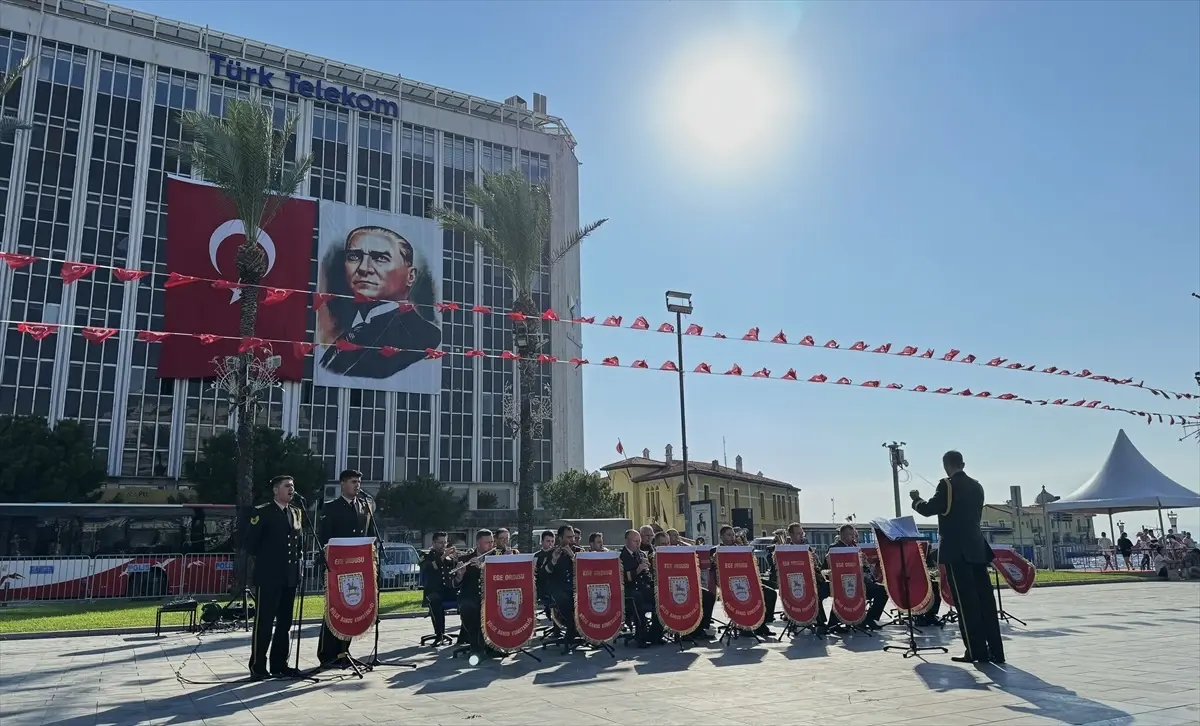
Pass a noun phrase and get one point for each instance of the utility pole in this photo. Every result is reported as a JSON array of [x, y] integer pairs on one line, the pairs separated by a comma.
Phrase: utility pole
[[898, 462]]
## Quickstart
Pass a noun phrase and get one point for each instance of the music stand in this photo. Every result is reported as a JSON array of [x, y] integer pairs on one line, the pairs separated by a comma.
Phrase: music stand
[[1003, 614], [911, 648]]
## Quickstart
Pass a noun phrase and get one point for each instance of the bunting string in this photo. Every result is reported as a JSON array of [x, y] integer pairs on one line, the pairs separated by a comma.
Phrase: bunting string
[[100, 335], [71, 272]]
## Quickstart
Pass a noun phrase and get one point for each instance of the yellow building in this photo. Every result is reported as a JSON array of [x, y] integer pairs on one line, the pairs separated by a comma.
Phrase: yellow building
[[1000, 523], [653, 492]]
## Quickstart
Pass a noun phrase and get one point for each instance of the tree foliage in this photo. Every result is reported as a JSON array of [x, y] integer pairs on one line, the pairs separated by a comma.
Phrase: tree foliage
[[43, 464], [516, 232], [215, 474], [579, 495], [423, 504], [8, 81]]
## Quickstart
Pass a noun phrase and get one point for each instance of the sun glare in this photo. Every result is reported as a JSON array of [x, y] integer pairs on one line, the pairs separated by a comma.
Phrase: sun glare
[[730, 101]]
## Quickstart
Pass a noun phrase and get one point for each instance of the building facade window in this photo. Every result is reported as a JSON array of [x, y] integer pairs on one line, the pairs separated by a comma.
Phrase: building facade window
[[414, 436], [497, 436], [13, 48], [108, 208], [417, 146], [536, 168], [366, 427], [151, 400], [374, 168], [458, 326], [330, 153]]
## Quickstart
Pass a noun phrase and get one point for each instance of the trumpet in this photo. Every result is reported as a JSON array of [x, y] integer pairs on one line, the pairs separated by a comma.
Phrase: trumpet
[[473, 561]]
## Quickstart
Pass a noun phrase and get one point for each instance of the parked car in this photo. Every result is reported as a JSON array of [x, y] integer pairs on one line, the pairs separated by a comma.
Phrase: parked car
[[399, 566]]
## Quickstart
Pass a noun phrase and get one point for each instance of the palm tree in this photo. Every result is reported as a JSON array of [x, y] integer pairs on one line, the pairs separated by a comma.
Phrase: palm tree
[[244, 156], [8, 125], [515, 233]]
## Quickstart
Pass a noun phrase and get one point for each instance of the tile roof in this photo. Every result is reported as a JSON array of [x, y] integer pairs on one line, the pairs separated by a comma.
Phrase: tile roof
[[663, 470]]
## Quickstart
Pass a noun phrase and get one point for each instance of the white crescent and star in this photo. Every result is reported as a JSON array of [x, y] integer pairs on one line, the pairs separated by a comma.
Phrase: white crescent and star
[[235, 227]]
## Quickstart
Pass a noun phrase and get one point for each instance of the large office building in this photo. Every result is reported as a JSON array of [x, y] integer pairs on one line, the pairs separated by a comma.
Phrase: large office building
[[105, 94]]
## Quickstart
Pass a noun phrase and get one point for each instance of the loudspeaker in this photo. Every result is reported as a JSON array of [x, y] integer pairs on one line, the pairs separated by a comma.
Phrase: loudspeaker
[[742, 518]]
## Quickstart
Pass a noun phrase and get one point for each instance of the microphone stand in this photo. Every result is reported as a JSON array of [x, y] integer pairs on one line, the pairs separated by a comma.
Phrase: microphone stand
[[304, 582], [376, 661]]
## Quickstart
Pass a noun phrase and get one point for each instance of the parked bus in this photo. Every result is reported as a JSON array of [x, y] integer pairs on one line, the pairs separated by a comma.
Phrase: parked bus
[[65, 551]]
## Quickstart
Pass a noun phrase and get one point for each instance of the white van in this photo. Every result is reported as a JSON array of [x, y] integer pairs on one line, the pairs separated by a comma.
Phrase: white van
[[399, 566]]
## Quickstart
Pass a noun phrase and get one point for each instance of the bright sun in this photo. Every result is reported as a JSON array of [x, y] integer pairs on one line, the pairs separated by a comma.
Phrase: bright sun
[[730, 101]]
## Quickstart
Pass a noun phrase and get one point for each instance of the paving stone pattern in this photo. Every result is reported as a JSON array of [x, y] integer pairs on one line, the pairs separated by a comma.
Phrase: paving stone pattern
[[1097, 654]]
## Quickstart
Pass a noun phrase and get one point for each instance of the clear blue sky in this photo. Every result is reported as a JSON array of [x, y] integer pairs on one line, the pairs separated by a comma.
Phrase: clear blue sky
[[1015, 179]]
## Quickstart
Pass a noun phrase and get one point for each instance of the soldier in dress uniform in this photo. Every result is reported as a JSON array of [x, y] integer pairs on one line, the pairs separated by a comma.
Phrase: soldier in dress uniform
[[273, 539], [347, 516], [962, 548], [438, 584], [639, 589], [468, 579]]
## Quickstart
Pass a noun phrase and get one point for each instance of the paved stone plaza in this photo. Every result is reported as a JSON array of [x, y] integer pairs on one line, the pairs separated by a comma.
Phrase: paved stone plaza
[[1096, 654]]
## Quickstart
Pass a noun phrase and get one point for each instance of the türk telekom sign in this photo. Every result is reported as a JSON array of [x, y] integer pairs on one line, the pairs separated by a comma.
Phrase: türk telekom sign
[[297, 85]]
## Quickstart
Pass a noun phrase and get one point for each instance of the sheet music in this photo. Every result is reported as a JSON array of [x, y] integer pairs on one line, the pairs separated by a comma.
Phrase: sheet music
[[898, 528]]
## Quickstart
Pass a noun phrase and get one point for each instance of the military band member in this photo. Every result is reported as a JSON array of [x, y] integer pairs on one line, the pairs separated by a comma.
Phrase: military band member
[[438, 583], [661, 539], [349, 515], [676, 539], [469, 580], [273, 539], [560, 568], [639, 586], [729, 538], [541, 576], [962, 548], [504, 544], [796, 536], [596, 542], [647, 534], [875, 593]]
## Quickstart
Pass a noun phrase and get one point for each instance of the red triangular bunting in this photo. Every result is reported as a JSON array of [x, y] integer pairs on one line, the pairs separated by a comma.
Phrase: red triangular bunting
[[74, 271]]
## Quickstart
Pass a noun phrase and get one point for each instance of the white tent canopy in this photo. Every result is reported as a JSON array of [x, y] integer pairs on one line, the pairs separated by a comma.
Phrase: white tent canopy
[[1126, 483]]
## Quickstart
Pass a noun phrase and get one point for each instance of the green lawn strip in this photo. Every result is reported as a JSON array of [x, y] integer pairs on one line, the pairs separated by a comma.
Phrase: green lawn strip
[[53, 617]]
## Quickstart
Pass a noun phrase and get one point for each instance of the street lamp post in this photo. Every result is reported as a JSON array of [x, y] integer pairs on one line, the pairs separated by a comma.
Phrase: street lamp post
[[680, 303]]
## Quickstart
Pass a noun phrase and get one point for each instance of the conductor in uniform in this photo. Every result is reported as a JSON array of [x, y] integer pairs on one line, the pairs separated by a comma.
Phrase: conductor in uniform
[[349, 515], [958, 504], [273, 539]]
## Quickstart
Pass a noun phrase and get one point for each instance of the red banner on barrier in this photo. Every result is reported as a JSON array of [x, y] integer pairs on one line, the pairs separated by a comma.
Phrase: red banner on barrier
[[1017, 571], [599, 596], [704, 558], [677, 589], [741, 589], [797, 583], [846, 585], [351, 594], [944, 586], [508, 602], [900, 561]]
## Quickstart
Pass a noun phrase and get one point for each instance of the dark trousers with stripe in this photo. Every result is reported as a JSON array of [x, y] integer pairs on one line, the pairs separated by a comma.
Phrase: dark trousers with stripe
[[978, 621], [272, 623]]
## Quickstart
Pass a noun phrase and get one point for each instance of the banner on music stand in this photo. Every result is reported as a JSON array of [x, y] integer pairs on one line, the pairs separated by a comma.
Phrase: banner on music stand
[[846, 586], [704, 554], [351, 594], [797, 583], [871, 559], [677, 589], [508, 602], [904, 573], [599, 596], [740, 587], [1017, 571], [944, 586]]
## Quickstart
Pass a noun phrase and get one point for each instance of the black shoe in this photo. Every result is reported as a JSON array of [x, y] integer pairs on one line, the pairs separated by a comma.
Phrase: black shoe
[[764, 632], [968, 659], [258, 674], [286, 672]]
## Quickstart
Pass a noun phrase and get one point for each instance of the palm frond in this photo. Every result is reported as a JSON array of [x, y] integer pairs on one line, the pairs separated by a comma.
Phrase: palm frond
[[12, 75], [574, 239], [10, 126]]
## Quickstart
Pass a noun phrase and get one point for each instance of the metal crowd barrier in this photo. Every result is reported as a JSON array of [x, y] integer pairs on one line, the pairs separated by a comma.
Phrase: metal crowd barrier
[[114, 577]]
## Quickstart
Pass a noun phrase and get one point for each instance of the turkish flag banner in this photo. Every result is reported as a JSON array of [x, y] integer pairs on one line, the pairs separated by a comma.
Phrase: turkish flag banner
[[704, 556], [203, 237], [741, 589], [904, 573], [508, 602], [677, 588], [599, 596], [351, 594], [846, 584], [1017, 571], [797, 583], [944, 586]]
